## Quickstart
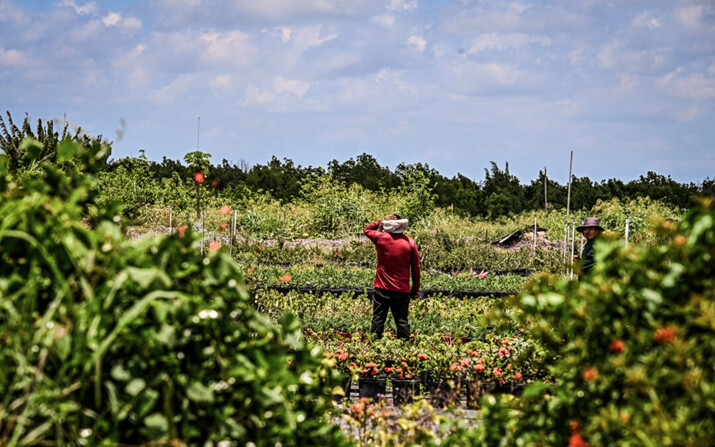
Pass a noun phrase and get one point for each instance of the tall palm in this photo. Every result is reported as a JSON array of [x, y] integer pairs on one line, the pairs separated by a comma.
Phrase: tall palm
[[11, 138]]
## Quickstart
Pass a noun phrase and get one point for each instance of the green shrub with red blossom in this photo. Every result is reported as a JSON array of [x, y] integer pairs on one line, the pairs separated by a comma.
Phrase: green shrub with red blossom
[[632, 346]]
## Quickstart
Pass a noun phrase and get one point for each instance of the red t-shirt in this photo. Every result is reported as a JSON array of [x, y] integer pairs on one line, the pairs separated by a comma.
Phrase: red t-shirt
[[396, 256]]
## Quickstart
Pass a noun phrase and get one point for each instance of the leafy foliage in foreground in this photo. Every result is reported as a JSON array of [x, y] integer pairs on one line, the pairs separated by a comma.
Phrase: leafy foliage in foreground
[[106, 341], [632, 346]]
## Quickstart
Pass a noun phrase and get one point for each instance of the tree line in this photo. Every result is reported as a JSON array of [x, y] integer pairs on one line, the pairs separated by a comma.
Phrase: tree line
[[500, 193]]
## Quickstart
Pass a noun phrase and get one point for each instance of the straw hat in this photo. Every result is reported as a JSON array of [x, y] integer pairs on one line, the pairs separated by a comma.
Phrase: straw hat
[[590, 222]]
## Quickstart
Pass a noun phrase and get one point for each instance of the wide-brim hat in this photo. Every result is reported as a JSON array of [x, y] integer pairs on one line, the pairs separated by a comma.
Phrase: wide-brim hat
[[395, 226], [590, 222]]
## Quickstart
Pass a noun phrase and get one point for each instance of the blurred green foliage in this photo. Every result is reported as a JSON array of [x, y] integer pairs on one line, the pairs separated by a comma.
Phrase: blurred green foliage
[[109, 341]]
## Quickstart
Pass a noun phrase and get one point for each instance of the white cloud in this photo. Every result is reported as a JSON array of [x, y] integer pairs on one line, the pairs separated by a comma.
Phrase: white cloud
[[282, 85], [418, 42], [694, 86], [174, 90], [393, 80], [489, 78], [87, 8], [401, 5], [646, 20], [690, 17], [284, 32], [255, 97], [112, 19], [13, 58], [116, 19], [501, 42], [384, 20], [221, 82], [233, 48], [615, 55], [313, 36]]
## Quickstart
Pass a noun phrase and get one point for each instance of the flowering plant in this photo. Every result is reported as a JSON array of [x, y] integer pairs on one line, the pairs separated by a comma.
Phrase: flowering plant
[[408, 366]]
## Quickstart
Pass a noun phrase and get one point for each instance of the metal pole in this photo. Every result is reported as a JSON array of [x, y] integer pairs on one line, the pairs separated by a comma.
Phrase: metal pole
[[171, 226], [628, 224], [546, 192], [203, 230], [535, 226], [568, 198], [573, 242]]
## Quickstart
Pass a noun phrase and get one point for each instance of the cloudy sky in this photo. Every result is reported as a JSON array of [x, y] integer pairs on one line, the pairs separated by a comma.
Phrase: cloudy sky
[[627, 85]]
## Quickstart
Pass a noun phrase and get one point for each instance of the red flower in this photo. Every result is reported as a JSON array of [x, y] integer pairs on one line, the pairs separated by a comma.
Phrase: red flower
[[422, 356], [215, 183], [617, 345], [214, 245], [517, 375], [223, 226], [590, 374], [577, 441], [182, 231], [503, 351], [665, 334], [225, 210], [199, 177], [479, 367]]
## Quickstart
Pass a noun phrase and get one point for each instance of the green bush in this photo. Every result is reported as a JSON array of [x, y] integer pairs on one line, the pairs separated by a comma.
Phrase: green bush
[[105, 341], [632, 347]]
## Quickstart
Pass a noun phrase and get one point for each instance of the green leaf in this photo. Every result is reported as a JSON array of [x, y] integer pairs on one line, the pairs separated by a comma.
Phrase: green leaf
[[199, 393], [31, 148], [135, 386], [119, 372], [157, 424], [66, 150], [145, 276]]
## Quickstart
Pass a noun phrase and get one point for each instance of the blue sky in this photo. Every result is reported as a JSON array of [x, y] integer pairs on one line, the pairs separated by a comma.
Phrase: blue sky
[[627, 85]]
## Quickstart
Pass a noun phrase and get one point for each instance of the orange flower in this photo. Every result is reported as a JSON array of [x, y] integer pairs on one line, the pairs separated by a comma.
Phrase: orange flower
[[590, 374], [422, 356], [182, 231], [199, 177], [215, 183], [249, 270], [225, 210], [577, 441], [665, 334], [223, 226], [214, 245], [285, 278], [617, 345]]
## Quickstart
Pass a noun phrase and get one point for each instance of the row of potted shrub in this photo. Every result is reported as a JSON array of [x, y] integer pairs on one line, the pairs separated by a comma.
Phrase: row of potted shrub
[[445, 366]]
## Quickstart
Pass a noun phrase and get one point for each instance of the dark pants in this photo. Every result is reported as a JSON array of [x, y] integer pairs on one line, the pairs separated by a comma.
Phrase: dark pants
[[398, 303]]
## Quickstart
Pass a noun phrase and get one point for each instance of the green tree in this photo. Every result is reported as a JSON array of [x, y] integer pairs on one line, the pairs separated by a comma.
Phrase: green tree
[[26, 156], [417, 199], [504, 194]]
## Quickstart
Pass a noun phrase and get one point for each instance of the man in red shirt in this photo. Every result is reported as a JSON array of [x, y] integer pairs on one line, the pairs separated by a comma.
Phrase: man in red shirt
[[397, 260]]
